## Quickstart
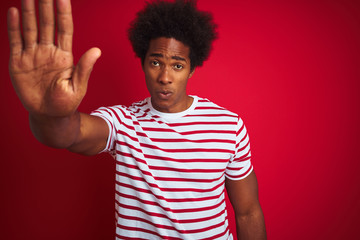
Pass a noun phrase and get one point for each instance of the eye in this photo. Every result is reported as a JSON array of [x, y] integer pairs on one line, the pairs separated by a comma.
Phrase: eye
[[178, 66], [155, 63]]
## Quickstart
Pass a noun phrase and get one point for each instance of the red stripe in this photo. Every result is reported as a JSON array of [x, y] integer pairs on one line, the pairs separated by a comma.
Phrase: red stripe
[[211, 115], [185, 150], [244, 137], [127, 135], [191, 123], [146, 231], [114, 113], [118, 236], [130, 156], [140, 104], [210, 108], [243, 148], [142, 134], [124, 114], [194, 160], [151, 120], [241, 129], [208, 131], [172, 159], [162, 226], [129, 146], [192, 141], [234, 169], [147, 191], [150, 129], [147, 202], [243, 157], [128, 126], [171, 169], [167, 179], [144, 115], [190, 150], [193, 170], [198, 190], [200, 123], [241, 141], [240, 175], [226, 231], [184, 210]]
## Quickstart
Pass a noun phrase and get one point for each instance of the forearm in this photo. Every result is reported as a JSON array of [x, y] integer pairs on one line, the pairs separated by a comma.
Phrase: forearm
[[57, 132], [251, 226]]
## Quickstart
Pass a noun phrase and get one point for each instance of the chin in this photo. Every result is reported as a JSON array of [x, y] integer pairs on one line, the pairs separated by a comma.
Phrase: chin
[[163, 108]]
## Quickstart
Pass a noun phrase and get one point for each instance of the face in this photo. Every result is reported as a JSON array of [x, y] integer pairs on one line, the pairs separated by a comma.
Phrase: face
[[167, 70]]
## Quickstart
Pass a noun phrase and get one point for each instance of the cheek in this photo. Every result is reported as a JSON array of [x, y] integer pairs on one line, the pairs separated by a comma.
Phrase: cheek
[[183, 83], [148, 78], [181, 87], [149, 85]]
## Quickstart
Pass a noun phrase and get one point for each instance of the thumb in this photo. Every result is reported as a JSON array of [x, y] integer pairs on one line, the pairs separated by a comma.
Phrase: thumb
[[85, 65]]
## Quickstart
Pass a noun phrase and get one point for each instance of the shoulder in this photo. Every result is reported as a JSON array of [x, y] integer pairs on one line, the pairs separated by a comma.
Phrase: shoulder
[[139, 105], [121, 111], [206, 105]]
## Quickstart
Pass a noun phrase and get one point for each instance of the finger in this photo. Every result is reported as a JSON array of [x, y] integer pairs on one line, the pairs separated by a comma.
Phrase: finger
[[47, 22], [14, 32], [29, 23], [65, 25], [84, 68]]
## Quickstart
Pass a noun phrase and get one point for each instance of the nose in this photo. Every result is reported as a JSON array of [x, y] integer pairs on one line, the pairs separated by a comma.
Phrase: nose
[[165, 76]]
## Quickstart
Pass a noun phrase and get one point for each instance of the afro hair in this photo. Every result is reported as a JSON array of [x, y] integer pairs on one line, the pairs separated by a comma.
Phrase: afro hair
[[180, 20]]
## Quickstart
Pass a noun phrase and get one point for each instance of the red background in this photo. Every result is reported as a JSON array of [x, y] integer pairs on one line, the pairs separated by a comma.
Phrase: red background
[[291, 69]]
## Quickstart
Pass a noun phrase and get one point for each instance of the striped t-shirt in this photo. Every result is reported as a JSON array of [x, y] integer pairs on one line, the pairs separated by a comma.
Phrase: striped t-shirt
[[171, 168]]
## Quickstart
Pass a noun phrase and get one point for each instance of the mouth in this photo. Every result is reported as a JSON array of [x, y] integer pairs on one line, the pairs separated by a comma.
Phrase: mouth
[[164, 94]]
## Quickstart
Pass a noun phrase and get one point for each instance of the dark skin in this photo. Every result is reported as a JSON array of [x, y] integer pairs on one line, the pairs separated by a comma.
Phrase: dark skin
[[243, 195], [51, 88], [167, 70], [48, 84]]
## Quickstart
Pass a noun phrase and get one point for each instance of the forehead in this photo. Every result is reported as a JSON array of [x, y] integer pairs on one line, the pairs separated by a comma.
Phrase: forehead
[[168, 47]]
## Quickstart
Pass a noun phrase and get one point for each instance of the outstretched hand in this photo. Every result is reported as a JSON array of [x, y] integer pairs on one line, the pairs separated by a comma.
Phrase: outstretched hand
[[42, 70]]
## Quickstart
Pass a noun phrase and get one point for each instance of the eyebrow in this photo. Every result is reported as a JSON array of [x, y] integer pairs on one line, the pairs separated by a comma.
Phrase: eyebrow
[[159, 55]]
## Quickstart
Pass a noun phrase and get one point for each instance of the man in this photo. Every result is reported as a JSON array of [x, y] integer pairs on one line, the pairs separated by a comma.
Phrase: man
[[174, 153]]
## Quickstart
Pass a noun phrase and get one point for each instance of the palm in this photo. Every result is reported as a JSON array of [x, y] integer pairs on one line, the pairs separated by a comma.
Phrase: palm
[[43, 74], [43, 81]]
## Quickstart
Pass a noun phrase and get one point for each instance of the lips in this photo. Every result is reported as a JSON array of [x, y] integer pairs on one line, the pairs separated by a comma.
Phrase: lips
[[164, 95]]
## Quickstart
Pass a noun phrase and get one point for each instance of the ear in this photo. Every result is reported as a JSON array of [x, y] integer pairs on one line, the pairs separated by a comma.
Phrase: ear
[[192, 73]]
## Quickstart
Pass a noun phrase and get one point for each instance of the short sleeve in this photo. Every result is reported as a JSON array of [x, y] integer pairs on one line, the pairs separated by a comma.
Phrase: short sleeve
[[106, 114], [240, 165]]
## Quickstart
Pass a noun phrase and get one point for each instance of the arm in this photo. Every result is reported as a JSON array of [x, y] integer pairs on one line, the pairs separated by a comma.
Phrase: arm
[[79, 133], [45, 79], [243, 195]]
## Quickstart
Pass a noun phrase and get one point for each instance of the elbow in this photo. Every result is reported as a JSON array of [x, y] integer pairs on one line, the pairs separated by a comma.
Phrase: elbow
[[251, 224]]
